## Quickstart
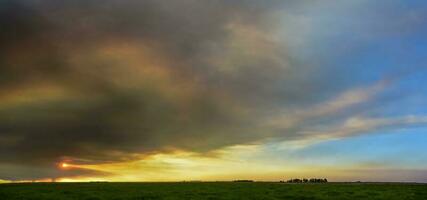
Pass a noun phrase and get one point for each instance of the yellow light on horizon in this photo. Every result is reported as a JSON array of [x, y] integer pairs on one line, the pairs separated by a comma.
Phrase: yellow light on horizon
[[65, 165]]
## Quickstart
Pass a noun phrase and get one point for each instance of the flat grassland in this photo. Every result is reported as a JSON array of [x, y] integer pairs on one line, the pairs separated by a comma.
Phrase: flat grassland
[[211, 190]]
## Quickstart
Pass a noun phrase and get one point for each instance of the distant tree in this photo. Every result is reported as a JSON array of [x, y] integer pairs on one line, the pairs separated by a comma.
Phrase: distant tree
[[304, 180]]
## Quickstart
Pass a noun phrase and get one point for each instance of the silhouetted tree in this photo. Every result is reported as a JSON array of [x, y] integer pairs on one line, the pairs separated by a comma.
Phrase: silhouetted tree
[[304, 180]]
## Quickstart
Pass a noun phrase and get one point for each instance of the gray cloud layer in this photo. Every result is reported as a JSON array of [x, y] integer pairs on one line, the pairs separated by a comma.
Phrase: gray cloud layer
[[118, 77]]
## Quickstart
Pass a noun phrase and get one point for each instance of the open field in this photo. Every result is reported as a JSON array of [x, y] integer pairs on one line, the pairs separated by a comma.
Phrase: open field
[[214, 190]]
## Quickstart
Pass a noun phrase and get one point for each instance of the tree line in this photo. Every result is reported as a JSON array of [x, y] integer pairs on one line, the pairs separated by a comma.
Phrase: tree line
[[304, 180]]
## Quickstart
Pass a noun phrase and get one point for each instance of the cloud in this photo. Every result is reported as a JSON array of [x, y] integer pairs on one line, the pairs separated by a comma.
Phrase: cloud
[[100, 81], [361, 125], [342, 102]]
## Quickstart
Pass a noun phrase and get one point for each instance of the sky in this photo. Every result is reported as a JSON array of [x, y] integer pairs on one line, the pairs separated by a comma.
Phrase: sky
[[127, 90]]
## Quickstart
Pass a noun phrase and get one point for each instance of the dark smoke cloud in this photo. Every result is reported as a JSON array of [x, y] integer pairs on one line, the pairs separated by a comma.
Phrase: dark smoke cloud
[[105, 109]]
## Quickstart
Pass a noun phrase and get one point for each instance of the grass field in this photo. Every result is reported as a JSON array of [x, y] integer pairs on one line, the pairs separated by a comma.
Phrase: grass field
[[214, 190]]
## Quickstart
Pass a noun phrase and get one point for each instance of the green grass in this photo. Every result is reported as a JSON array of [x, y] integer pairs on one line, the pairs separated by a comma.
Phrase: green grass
[[214, 190]]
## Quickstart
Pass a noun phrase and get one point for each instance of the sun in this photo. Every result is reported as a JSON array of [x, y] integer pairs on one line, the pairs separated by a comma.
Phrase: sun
[[65, 165]]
